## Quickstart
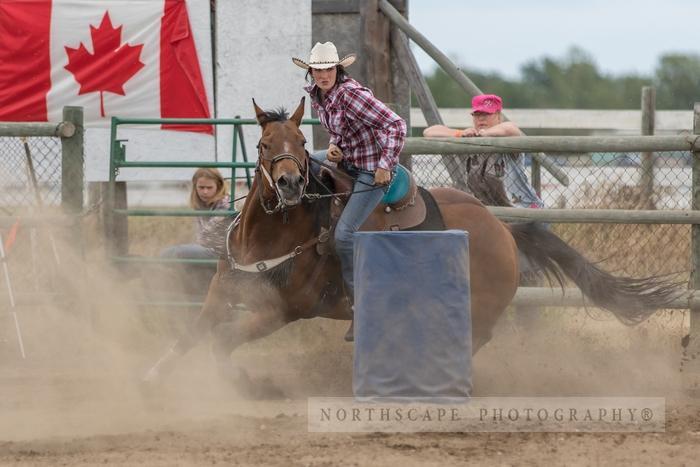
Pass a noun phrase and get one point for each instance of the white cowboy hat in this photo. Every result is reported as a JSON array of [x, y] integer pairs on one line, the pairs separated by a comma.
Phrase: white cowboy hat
[[324, 56]]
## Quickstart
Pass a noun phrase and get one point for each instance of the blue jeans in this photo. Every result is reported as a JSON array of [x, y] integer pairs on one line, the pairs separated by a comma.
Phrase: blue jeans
[[189, 251], [319, 156], [356, 212]]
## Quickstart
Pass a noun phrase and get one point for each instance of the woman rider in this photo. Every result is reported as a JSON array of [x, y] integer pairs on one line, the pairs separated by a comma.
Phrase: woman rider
[[366, 138]]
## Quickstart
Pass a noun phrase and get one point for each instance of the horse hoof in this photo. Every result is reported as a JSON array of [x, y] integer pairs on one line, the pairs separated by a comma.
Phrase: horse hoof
[[266, 389], [249, 388]]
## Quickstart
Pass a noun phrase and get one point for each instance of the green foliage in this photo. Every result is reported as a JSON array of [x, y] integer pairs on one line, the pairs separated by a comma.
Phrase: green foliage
[[575, 82], [677, 80]]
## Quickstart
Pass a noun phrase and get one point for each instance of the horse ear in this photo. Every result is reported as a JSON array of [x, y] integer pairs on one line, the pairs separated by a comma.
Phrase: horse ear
[[259, 113], [299, 112]]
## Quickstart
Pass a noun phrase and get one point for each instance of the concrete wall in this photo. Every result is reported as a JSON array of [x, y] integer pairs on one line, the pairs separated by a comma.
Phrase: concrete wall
[[255, 43]]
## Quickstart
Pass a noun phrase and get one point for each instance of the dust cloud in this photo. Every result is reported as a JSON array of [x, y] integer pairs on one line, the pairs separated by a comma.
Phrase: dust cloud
[[88, 343]]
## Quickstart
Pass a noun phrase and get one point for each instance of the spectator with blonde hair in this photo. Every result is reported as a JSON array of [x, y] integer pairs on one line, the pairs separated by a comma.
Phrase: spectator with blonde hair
[[208, 193]]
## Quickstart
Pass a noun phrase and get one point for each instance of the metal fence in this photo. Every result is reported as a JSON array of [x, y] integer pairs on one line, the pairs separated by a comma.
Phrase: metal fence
[[606, 180], [41, 180], [22, 160]]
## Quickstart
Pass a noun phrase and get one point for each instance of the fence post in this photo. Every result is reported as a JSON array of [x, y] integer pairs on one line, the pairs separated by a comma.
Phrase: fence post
[[456, 166], [72, 163], [536, 174], [376, 46], [116, 225], [646, 179], [72, 184], [692, 367]]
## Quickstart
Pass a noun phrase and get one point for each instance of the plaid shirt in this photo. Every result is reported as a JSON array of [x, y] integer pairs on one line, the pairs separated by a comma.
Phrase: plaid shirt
[[364, 128]]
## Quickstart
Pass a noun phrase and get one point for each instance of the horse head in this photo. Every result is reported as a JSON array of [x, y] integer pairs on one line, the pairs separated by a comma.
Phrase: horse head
[[282, 158]]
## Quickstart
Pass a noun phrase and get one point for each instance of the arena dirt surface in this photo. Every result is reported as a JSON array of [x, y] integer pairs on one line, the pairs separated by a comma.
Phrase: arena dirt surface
[[75, 400]]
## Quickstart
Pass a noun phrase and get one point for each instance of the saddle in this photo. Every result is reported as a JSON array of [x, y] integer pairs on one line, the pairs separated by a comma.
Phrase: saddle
[[405, 206]]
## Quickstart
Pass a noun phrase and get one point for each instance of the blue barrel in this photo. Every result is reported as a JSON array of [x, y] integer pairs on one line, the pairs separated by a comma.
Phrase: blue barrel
[[412, 315]]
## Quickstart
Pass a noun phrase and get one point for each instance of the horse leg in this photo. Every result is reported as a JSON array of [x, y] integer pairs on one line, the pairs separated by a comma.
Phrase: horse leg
[[230, 335], [214, 311]]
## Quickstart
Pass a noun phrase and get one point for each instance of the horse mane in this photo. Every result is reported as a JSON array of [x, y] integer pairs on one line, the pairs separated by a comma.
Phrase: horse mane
[[280, 114]]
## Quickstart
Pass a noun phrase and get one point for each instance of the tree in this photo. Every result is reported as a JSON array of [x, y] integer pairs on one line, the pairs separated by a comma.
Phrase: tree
[[677, 79], [575, 82]]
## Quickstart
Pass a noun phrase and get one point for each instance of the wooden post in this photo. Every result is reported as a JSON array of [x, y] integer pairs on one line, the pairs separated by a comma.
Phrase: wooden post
[[376, 43], [692, 351], [456, 166], [72, 163], [72, 188], [646, 179], [116, 226], [119, 228]]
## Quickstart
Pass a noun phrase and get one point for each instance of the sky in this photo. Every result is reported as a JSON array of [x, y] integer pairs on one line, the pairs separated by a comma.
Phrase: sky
[[621, 36]]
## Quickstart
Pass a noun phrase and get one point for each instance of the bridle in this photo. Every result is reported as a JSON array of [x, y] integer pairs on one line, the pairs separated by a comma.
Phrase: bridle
[[260, 168], [267, 264]]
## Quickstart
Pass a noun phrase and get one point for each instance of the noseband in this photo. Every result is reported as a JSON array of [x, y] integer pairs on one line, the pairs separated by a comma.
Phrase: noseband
[[260, 168]]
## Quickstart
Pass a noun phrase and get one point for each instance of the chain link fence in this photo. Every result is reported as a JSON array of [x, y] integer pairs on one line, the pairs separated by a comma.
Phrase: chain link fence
[[24, 161], [609, 181], [31, 190]]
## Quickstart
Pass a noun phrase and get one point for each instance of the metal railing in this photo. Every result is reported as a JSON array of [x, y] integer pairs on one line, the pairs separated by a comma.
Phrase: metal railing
[[117, 212]]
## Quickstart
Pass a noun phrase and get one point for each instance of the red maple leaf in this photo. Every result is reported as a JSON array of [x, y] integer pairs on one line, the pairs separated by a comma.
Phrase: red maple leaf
[[109, 67]]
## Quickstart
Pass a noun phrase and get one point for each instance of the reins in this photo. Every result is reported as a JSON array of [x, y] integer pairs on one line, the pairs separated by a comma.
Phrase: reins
[[335, 170], [322, 237]]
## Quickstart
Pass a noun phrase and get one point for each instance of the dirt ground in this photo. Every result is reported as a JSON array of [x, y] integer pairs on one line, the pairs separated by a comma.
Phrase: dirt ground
[[75, 400]]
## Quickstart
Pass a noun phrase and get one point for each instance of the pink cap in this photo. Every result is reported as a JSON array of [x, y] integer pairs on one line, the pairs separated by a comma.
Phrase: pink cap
[[487, 103]]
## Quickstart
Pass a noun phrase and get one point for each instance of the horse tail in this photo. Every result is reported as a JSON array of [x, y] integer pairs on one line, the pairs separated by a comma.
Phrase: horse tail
[[631, 300]]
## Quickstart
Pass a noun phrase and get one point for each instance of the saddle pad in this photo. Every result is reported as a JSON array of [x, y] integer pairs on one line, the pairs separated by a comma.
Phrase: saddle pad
[[412, 315]]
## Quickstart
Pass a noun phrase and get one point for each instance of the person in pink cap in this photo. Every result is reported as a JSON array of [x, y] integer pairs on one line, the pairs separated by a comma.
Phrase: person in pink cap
[[487, 117], [496, 179]]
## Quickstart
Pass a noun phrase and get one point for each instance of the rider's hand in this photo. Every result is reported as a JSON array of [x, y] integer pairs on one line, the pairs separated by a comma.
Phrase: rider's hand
[[334, 153], [382, 176]]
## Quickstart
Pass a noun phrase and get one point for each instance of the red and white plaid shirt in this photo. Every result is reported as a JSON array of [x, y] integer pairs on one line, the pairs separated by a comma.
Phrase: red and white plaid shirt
[[369, 133]]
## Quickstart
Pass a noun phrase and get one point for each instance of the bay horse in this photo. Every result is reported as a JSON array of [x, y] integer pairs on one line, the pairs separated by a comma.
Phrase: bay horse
[[275, 263]]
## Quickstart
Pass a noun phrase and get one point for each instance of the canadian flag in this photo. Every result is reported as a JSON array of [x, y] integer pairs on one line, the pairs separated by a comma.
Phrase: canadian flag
[[126, 58]]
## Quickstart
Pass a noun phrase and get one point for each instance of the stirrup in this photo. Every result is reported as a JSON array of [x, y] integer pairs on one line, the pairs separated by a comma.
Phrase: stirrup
[[350, 333]]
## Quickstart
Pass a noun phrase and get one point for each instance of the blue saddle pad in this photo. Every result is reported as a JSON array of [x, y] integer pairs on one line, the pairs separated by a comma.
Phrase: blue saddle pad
[[400, 184]]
